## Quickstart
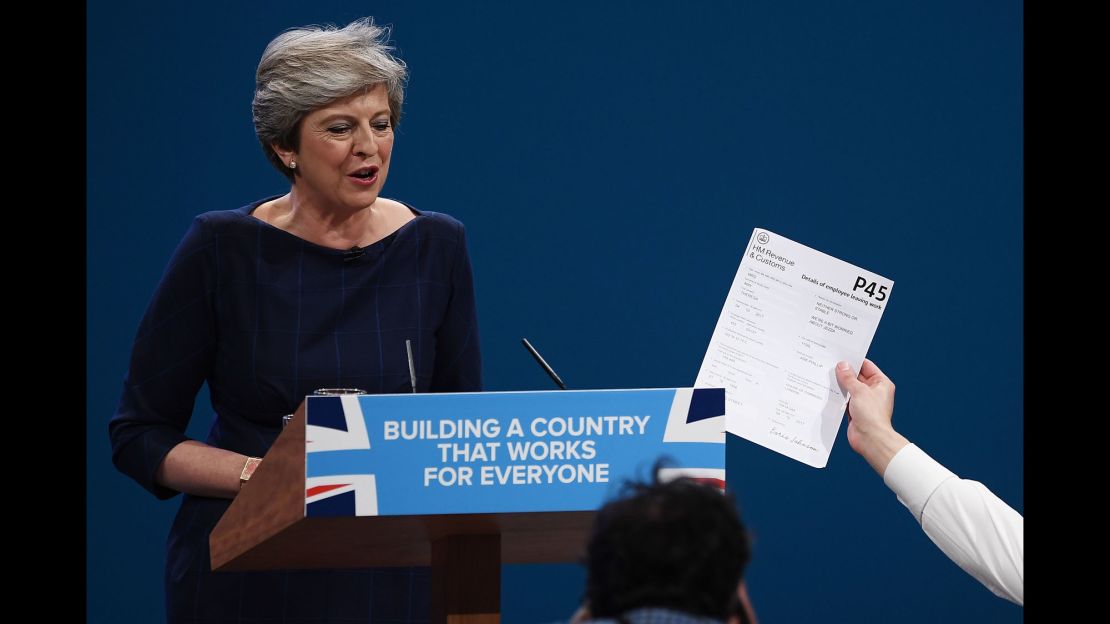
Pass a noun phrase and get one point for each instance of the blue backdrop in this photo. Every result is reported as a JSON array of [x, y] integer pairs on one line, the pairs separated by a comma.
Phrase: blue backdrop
[[610, 161]]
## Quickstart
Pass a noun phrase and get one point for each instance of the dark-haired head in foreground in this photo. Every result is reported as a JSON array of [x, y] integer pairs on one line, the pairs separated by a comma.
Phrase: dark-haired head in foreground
[[678, 545]]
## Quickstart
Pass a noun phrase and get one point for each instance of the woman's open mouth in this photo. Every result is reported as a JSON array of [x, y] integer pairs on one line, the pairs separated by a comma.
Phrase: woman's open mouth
[[365, 176]]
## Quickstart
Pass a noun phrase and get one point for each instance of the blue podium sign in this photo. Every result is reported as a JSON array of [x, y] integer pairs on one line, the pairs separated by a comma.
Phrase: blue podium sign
[[502, 452]]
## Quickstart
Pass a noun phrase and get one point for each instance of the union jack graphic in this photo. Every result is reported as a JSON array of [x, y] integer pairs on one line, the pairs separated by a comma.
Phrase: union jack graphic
[[335, 423]]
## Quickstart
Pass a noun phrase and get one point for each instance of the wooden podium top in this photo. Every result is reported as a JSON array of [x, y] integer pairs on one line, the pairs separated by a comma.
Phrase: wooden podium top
[[316, 504]]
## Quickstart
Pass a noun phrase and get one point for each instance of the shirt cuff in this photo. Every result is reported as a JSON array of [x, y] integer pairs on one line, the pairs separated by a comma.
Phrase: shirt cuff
[[914, 476]]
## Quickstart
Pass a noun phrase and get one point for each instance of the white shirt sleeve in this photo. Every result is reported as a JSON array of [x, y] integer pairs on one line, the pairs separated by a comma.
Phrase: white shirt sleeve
[[979, 532]]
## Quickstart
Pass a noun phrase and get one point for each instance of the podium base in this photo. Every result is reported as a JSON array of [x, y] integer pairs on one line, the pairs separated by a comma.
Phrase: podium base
[[466, 579]]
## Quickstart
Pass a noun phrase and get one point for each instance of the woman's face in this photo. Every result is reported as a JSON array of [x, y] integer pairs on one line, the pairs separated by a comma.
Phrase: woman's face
[[343, 159]]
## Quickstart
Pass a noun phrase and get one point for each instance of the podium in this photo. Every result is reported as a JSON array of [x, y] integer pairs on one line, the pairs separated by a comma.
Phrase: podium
[[461, 482]]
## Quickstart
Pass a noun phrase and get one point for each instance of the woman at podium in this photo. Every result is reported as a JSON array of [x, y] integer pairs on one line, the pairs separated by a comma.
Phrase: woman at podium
[[320, 286]]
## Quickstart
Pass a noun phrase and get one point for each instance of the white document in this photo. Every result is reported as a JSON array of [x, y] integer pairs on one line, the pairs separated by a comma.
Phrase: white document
[[792, 313]]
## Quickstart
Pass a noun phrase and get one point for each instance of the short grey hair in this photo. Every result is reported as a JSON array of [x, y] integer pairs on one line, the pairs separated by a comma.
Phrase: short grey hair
[[306, 68]]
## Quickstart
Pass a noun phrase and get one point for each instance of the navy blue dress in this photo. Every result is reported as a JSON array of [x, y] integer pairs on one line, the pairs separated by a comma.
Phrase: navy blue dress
[[265, 318]]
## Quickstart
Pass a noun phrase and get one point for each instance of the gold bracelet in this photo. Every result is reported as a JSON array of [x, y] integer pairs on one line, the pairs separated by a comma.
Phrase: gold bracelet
[[248, 469]]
